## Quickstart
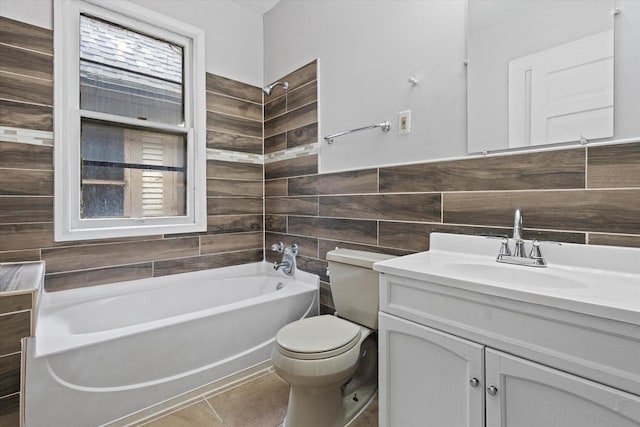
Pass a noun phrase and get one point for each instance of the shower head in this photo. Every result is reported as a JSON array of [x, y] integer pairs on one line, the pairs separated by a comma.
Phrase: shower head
[[267, 90]]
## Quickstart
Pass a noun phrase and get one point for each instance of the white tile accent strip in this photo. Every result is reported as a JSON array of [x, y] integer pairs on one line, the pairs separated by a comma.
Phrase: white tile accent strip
[[39, 137], [259, 159], [234, 156], [26, 136], [292, 153]]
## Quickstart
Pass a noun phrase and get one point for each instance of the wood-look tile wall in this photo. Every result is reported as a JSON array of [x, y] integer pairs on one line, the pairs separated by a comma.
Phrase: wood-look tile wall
[[579, 195], [234, 188], [15, 324]]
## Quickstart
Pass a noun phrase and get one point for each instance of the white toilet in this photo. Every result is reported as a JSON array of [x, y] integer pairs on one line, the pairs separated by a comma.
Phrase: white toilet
[[330, 362]]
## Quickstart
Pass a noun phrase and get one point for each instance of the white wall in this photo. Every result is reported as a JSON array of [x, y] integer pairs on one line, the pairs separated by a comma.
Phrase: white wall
[[367, 50], [234, 45]]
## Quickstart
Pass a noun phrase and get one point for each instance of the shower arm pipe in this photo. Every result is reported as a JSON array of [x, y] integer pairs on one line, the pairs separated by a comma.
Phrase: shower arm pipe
[[385, 126]]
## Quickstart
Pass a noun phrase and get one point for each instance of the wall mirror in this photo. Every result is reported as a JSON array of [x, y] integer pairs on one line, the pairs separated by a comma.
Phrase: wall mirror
[[540, 72]]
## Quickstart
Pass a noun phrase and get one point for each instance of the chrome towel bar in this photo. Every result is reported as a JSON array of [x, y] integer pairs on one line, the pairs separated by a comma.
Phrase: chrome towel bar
[[384, 126]]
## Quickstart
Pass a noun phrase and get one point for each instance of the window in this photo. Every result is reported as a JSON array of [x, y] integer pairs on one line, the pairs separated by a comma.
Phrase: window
[[130, 138]]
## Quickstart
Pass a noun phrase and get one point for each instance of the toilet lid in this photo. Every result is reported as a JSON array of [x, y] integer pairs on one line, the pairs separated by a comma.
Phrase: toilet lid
[[325, 336]]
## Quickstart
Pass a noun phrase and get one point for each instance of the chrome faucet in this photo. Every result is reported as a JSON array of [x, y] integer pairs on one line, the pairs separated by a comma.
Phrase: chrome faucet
[[518, 250], [517, 225], [288, 263], [519, 255]]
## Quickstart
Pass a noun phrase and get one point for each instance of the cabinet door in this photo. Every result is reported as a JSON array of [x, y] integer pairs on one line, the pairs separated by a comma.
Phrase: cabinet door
[[532, 395], [427, 377]]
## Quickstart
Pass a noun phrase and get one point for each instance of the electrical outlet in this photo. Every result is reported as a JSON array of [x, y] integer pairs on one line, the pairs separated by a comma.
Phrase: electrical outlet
[[404, 122]]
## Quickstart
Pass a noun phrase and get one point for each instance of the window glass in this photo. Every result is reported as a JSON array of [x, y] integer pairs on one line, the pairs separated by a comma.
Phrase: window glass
[[131, 173], [129, 74]]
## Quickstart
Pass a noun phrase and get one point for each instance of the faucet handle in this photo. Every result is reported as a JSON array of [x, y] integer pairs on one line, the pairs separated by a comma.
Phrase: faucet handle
[[278, 247], [504, 247], [294, 249], [535, 250]]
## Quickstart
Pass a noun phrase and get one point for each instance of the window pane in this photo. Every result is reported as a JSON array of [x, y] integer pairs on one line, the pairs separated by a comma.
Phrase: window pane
[[148, 166], [129, 74], [102, 143], [102, 201]]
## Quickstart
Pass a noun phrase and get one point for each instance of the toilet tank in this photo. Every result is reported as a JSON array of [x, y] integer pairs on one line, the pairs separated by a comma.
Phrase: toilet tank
[[354, 285]]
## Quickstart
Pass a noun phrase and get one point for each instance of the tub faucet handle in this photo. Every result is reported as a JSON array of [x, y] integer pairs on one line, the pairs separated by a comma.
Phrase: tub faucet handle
[[294, 249], [288, 263], [285, 265], [278, 247]]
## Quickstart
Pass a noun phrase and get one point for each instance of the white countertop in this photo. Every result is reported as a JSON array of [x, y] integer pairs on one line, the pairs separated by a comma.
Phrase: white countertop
[[21, 277]]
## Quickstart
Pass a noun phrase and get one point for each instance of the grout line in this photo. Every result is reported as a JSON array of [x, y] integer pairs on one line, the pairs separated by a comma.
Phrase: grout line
[[227, 114], [233, 97], [50, 55], [206, 401], [234, 134], [586, 167], [286, 106], [24, 196], [11, 313], [17, 101], [24, 169], [97, 242], [25, 75], [231, 133], [291, 111], [58, 273]]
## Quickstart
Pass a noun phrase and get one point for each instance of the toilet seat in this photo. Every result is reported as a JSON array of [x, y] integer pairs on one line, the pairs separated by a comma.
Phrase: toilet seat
[[317, 338]]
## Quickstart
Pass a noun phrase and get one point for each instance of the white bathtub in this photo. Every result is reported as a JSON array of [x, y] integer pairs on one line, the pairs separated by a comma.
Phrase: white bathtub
[[103, 352]]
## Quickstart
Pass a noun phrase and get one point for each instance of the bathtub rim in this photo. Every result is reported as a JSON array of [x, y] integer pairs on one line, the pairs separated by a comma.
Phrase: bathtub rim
[[82, 294], [54, 302]]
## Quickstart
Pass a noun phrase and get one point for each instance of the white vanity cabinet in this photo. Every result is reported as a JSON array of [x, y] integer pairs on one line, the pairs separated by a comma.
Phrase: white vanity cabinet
[[428, 378], [531, 395], [458, 358]]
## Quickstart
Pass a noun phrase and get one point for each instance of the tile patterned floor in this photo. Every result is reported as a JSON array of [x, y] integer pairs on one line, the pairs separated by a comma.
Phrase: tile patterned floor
[[259, 402]]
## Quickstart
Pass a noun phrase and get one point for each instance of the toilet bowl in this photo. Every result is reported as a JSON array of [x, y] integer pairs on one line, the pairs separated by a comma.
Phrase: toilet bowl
[[319, 367], [330, 362]]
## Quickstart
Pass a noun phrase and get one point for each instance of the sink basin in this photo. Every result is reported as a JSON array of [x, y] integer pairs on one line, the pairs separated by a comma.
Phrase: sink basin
[[512, 275]]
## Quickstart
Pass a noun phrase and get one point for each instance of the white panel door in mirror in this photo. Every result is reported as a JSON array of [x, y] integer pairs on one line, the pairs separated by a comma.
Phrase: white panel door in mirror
[[562, 94]]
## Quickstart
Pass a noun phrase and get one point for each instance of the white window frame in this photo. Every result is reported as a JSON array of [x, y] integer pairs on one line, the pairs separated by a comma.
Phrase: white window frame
[[67, 161]]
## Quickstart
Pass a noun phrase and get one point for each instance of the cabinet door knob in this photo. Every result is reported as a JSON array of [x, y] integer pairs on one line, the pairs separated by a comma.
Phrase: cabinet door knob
[[492, 390], [474, 382]]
